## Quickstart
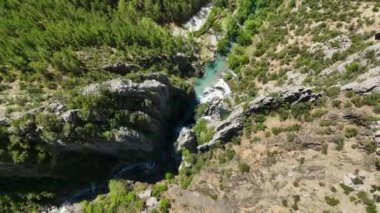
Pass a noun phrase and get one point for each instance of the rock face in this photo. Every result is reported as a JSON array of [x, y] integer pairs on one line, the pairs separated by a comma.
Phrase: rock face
[[186, 140], [151, 117], [226, 129], [216, 110], [70, 116], [340, 66], [335, 45], [157, 92], [229, 127], [291, 94], [368, 82]]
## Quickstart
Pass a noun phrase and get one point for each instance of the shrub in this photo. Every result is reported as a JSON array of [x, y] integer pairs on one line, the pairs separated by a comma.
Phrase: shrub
[[347, 104], [158, 189], [301, 110], [203, 133], [350, 132], [336, 103], [377, 163], [169, 176], [331, 201], [292, 128], [117, 187], [353, 67], [347, 190], [325, 148], [357, 101], [164, 205], [357, 181], [319, 113], [371, 100], [244, 168], [339, 141], [332, 92], [376, 109]]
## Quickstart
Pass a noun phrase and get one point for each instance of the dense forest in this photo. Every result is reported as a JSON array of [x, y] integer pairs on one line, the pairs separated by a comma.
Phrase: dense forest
[[38, 33]]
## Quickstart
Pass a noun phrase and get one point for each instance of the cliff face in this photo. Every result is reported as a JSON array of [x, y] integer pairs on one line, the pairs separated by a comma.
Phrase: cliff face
[[120, 119]]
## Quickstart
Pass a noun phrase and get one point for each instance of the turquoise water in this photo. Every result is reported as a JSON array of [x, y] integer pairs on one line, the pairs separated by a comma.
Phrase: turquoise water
[[213, 70]]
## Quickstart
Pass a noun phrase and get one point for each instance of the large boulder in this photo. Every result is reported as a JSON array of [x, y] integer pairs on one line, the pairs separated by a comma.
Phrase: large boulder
[[216, 110], [186, 140], [226, 129], [70, 116]]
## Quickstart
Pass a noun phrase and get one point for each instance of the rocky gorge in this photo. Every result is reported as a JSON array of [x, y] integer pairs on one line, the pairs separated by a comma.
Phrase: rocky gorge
[[257, 114]]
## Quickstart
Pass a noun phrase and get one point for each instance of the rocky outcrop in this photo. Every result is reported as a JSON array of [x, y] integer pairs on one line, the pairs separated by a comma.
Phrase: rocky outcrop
[[216, 110], [226, 129], [70, 116], [186, 140], [335, 45], [229, 127], [368, 82], [291, 95], [360, 57], [145, 105]]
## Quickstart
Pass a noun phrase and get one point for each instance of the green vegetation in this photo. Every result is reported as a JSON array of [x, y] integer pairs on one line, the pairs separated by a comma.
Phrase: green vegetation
[[350, 132], [292, 128], [371, 205], [244, 167], [331, 201], [158, 189], [325, 148], [164, 205], [197, 161], [347, 190], [376, 109], [204, 134], [332, 92], [119, 199], [339, 142], [55, 41]]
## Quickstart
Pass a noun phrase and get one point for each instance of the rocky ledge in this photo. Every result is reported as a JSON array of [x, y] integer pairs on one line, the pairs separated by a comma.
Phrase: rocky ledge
[[226, 128]]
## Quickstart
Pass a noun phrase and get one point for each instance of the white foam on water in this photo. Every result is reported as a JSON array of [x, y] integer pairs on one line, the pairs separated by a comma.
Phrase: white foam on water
[[219, 91]]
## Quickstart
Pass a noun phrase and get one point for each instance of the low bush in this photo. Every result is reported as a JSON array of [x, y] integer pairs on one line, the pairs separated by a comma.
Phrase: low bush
[[244, 167], [350, 132], [376, 109], [164, 205], [331, 201], [158, 189], [292, 128]]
